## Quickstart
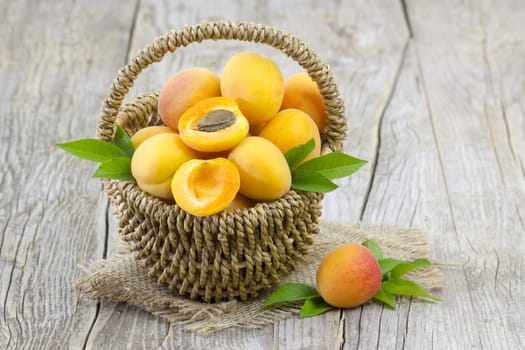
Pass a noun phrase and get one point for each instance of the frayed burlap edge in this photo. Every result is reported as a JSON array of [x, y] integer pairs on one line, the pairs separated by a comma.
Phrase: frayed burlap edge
[[121, 279]]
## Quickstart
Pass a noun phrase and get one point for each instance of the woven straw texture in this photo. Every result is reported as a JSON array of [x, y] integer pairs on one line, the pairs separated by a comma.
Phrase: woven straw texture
[[120, 279], [230, 255]]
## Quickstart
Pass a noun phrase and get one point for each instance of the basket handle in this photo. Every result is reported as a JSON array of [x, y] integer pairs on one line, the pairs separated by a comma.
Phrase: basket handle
[[225, 30]]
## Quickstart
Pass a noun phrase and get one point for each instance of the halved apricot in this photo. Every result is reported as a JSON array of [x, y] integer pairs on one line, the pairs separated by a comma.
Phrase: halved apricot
[[213, 125], [205, 187]]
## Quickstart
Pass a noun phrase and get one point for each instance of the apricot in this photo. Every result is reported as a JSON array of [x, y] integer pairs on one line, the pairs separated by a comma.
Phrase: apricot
[[183, 90], [156, 160], [240, 202], [205, 187], [290, 128], [255, 83], [348, 276], [301, 92], [145, 133], [213, 125], [264, 172]]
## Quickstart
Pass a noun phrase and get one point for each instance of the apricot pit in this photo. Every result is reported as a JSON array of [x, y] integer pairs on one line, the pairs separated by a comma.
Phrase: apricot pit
[[213, 125]]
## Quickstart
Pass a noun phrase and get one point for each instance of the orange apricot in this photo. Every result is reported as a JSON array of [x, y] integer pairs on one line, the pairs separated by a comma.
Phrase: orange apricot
[[183, 90], [205, 187], [264, 172], [255, 83], [155, 161], [145, 133], [291, 128], [213, 125], [348, 276], [301, 92]]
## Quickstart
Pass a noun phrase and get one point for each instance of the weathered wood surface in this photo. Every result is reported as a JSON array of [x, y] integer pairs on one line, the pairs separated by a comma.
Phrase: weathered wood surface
[[435, 97]]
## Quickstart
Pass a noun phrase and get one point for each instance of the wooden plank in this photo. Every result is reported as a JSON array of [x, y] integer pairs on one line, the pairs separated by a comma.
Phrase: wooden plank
[[363, 42], [55, 57], [409, 190], [473, 81]]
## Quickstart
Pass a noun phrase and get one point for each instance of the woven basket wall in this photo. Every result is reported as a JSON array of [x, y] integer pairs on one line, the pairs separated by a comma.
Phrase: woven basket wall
[[229, 255]]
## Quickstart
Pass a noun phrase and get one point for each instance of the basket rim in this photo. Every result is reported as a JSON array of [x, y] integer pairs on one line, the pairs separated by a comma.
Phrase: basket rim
[[281, 40]]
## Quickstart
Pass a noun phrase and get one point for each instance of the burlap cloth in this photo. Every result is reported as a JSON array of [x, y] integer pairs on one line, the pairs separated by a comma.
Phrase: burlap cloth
[[121, 279]]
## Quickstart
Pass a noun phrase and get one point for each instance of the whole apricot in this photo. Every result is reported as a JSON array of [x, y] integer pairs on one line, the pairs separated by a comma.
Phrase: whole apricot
[[301, 92], [264, 172], [348, 276], [156, 160], [183, 90], [255, 83], [205, 187], [240, 202], [145, 133], [212, 125], [290, 128]]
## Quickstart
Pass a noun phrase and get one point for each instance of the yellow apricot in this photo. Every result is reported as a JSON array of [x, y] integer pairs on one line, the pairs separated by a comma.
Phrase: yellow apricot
[[255, 83], [348, 276], [240, 202], [145, 133], [291, 128], [264, 172], [213, 125], [156, 160], [301, 92], [205, 187], [183, 90]]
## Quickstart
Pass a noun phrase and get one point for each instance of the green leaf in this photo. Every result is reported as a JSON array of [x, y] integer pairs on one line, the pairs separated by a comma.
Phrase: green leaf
[[92, 149], [398, 268], [385, 297], [116, 168], [406, 267], [333, 165], [297, 154], [305, 180], [291, 292], [388, 265], [123, 141], [374, 248], [314, 306], [406, 287]]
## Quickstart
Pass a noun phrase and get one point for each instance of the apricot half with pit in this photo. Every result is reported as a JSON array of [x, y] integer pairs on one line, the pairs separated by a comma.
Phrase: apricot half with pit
[[213, 125]]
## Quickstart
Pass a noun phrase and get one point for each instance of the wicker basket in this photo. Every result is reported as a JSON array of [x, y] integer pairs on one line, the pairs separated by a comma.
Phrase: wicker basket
[[229, 255]]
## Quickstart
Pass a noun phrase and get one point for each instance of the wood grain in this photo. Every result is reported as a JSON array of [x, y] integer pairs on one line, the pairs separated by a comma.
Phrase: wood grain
[[435, 102], [470, 83], [55, 57]]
